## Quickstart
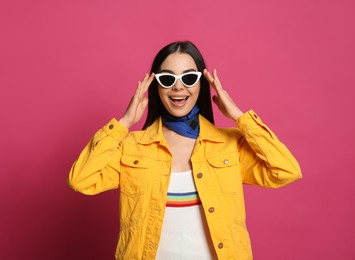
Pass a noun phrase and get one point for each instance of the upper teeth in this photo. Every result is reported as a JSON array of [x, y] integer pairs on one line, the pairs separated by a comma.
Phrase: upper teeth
[[178, 98]]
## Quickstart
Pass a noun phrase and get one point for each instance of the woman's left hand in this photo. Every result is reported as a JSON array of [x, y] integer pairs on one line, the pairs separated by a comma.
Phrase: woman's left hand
[[223, 101]]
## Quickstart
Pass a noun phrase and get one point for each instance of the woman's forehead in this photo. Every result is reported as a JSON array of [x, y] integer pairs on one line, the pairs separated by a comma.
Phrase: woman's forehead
[[178, 63]]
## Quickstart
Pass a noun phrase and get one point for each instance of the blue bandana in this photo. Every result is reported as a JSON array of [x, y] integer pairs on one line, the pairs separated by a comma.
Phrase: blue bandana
[[188, 125]]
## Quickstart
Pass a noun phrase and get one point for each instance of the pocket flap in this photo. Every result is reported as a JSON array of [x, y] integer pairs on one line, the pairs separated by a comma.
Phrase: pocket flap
[[224, 160], [136, 161]]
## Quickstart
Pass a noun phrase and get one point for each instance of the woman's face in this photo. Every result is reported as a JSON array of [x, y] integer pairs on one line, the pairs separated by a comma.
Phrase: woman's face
[[179, 100]]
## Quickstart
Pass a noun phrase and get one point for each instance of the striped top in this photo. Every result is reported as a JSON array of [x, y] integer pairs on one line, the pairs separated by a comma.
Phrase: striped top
[[183, 199], [184, 232]]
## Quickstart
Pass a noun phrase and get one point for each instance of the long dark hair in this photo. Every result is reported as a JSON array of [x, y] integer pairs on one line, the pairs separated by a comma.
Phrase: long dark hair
[[155, 106]]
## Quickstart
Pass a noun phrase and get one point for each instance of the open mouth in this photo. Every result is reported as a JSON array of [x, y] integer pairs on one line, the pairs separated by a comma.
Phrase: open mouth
[[178, 99]]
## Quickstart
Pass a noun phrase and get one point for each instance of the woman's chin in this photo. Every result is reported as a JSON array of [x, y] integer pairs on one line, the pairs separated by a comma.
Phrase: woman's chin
[[179, 112]]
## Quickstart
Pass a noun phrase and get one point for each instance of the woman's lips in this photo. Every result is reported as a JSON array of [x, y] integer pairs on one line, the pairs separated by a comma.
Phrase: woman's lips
[[178, 101]]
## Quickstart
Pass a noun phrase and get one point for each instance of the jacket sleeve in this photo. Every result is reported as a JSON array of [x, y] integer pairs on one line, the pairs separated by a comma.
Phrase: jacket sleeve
[[264, 160], [98, 166]]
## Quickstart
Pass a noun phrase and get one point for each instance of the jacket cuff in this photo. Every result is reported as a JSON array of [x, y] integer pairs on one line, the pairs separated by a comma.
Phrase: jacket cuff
[[249, 120], [115, 129]]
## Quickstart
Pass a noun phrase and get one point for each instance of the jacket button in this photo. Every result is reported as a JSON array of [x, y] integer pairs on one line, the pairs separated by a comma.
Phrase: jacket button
[[199, 175], [136, 162], [225, 161], [211, 210], [220, 245], [110, 126]]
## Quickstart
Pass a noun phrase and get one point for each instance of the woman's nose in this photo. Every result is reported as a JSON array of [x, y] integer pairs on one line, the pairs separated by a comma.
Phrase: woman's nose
[[178, 85]]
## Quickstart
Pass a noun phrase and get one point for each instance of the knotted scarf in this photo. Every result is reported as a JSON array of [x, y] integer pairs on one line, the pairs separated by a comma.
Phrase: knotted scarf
[[188, 125]]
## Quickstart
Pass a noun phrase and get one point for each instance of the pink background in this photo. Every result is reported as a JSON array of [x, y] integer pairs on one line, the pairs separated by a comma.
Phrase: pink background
[[69, 66]]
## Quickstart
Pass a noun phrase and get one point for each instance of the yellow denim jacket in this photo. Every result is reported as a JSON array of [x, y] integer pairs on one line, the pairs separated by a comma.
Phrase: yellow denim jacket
[[139, 163]]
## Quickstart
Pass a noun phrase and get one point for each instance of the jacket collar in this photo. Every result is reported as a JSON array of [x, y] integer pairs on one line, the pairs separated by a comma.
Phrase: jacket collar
[[154, 133], [208, 131]]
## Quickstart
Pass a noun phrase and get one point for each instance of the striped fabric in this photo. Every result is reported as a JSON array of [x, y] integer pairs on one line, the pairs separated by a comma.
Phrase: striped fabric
[[183, 199]]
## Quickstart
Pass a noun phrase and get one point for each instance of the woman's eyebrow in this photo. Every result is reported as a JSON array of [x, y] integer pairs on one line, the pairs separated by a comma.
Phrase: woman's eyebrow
[[188, 70], [167, 71], [170, 71]]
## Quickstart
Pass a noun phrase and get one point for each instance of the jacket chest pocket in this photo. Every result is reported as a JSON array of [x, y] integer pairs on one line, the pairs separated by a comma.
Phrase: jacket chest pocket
[[135, 174], [226, 168]]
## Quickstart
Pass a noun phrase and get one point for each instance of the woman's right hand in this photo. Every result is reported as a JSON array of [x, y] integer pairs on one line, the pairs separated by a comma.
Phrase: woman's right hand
[[139, 102]]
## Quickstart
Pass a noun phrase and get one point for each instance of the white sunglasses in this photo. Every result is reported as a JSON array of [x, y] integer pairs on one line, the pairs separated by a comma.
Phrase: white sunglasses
[[188, 79]]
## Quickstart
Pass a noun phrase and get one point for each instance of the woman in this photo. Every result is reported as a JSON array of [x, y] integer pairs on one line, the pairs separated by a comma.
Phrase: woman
[[181, 177]]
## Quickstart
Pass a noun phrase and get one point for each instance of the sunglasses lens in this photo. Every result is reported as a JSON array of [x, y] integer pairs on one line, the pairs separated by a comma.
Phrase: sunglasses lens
[[167, 80], [190, 79]]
